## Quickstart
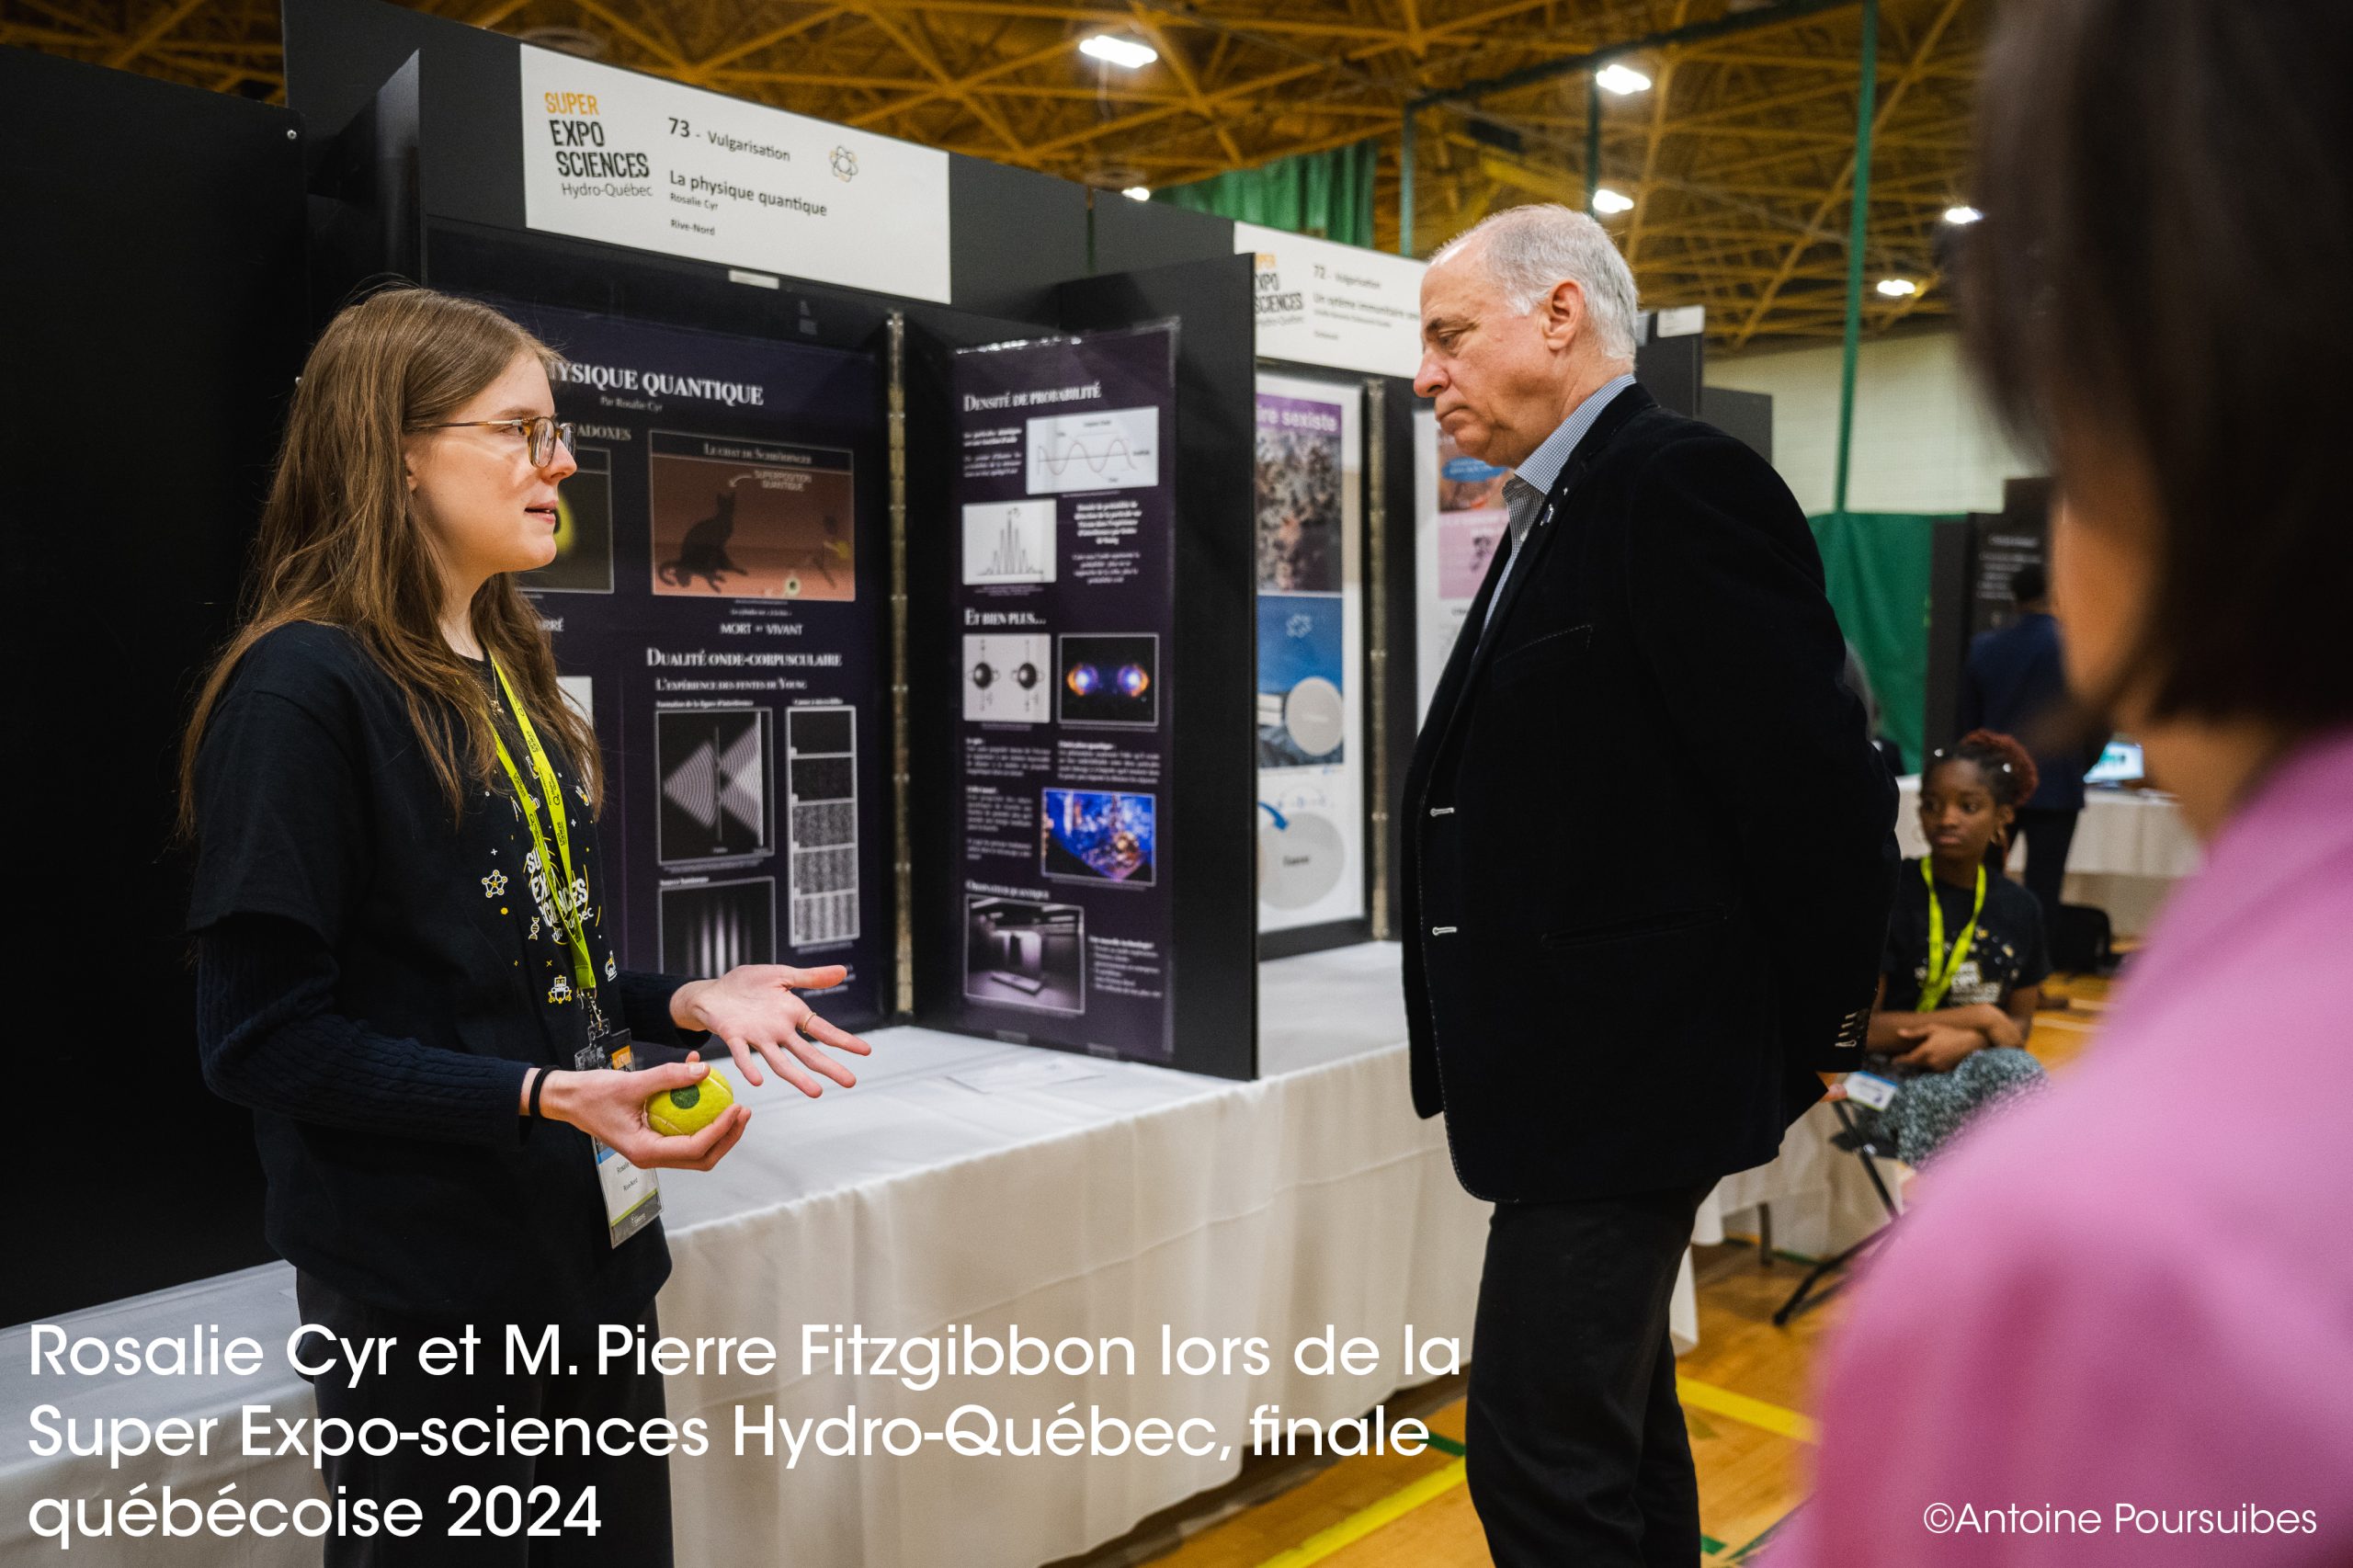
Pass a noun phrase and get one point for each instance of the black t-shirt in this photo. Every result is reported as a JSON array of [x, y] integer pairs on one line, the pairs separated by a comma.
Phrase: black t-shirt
[[2006, 954], [316, 805]]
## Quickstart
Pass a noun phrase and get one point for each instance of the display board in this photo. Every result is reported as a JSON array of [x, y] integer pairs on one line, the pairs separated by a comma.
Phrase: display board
[[1459, 524], [716, 610], [1309, 505], [1063, 518]]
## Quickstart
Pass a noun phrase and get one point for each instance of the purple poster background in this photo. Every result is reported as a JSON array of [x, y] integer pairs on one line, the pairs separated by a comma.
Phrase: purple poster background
[[1063, 519], [717, 604]]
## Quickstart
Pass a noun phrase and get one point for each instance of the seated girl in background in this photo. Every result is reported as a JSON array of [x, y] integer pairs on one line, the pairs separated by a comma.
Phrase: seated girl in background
[[1964, 964]]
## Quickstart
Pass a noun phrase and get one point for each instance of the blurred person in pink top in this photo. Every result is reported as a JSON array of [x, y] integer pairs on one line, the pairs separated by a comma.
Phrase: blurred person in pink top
[[2120, 1326]]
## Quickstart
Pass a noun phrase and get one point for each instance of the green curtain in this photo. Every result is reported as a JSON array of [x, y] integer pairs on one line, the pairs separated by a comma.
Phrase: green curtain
[[1327, 194], [1877, 567]]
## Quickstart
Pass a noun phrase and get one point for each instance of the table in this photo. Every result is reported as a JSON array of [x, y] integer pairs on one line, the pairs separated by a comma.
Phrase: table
[[2130, 846], [1098, 1206]]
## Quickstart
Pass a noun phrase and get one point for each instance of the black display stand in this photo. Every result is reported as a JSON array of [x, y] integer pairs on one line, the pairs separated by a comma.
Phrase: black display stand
[[155, 267], [421, 177]]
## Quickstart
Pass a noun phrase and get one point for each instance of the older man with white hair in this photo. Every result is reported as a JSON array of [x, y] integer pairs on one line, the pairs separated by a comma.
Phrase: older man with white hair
[[1648, 859]]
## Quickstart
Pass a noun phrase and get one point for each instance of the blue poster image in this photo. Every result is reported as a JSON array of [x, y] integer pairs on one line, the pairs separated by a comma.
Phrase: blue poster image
[[1302, 714], [1096, 835]]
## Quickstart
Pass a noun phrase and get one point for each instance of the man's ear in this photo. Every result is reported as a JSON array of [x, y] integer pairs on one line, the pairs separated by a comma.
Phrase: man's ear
[[1563, 312]]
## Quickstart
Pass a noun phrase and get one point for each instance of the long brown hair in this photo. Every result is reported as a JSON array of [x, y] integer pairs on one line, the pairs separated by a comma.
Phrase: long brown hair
[[2161, 270], [339, 545]]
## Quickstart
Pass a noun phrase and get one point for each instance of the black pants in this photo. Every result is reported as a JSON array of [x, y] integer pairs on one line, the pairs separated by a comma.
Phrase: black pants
[[2048, 835], [632, 1501], [1576, 1450]]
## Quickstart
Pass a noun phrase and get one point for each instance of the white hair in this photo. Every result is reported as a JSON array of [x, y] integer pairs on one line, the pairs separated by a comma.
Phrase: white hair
[[1528, 250]]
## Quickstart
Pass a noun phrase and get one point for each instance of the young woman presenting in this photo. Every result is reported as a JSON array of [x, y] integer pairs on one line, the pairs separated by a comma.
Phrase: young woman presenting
[[404, 966]]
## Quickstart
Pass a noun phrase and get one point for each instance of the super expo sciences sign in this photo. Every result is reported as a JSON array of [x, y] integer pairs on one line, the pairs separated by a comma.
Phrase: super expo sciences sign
[[632, 160]]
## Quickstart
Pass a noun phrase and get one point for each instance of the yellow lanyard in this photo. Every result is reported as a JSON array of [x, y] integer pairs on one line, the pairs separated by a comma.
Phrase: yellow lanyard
[[1939, 980], [567, 907]]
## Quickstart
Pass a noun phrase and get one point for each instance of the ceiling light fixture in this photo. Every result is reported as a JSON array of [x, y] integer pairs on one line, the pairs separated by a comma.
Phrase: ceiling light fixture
[[1138, 193], [1125, 53], [1963, 213], [1623, 80], [1608, 200], [1896, 287]]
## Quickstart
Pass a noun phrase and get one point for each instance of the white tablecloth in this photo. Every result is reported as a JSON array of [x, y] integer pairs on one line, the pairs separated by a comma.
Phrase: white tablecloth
[[1105, 1206], [2130, 846]]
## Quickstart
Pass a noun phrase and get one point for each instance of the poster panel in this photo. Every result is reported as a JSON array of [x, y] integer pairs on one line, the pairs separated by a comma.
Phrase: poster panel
[[1064, 521], [716, 604], [1459, 523], [1309, 500]]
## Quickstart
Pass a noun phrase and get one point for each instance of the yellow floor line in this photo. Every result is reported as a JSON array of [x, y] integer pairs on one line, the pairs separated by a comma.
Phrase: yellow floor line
[[1751, 1411], [1363, 1522], [1398, 1504]]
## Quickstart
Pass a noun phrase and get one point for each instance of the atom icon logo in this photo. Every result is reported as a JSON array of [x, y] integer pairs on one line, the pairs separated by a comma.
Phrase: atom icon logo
[[845, 164], [493, 884]]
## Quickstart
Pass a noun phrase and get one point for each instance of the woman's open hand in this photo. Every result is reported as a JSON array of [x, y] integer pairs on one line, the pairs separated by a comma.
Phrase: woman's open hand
[[754, 1009], [609, 1105]]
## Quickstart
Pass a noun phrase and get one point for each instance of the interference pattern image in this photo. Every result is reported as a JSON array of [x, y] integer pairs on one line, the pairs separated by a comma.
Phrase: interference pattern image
[[710, 927], [584, 531], [1005, 679], [821, 770], [1026, 955], [1009, 541], [1093, 835], [1112, 449], [716, 773], [751, 519]]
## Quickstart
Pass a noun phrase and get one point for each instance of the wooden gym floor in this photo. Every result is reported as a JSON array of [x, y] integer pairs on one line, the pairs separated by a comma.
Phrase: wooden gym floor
[[1745, 1388]]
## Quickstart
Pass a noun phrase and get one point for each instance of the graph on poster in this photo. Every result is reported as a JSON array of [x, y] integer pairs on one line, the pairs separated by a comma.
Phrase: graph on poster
[[1009, 541], [1113, 448]]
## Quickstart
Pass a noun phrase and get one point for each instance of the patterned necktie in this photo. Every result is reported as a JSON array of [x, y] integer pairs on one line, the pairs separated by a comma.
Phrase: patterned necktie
[[1521, 501]]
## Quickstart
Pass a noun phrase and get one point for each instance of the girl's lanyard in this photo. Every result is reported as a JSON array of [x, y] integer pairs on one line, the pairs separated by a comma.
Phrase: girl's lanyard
[[1940, 979], [633, 1197], [570, 895]]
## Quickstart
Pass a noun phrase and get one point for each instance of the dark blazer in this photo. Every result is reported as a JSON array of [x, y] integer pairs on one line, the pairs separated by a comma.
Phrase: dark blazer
[[1647, 850], [2014, 678]]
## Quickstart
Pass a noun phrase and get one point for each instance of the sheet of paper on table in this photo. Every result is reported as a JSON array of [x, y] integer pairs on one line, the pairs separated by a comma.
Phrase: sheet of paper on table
[[1005, 1076]]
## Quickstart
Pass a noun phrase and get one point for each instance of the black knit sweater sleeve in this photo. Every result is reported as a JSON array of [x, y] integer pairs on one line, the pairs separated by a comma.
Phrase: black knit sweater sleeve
[[272, 1040], [645, 1008]]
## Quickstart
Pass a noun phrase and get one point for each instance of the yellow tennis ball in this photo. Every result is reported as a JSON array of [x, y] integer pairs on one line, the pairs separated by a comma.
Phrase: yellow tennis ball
[[680, 1113]]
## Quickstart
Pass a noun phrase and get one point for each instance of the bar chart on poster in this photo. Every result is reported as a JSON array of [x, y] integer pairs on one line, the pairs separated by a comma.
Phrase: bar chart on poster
[[1308, 500], [714, 609], [1065, 521]]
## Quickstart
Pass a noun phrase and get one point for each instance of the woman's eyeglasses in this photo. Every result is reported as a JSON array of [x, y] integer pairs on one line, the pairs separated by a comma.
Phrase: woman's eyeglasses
[[539, 433]]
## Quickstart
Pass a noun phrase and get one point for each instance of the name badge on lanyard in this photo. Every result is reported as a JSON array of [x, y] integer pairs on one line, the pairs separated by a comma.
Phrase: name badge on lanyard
[[633, 1197]]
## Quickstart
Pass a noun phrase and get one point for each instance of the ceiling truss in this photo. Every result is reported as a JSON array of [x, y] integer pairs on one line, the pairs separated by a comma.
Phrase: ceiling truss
[[1739, 158]]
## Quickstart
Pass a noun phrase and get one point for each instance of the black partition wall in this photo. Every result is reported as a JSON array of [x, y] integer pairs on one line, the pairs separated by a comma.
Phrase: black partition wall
[[153, 334]]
